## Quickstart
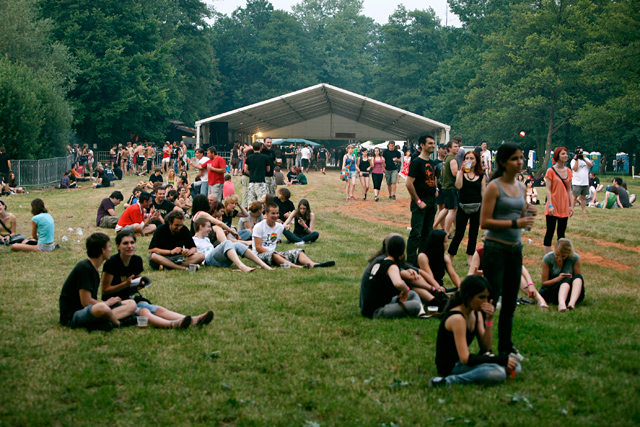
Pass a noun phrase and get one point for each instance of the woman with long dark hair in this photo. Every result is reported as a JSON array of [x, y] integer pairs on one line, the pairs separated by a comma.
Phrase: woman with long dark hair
[[471, 185], [235, 159], [436, 262], [303, 230], [503, 216], [558, 208], [383, 292], [468, 315], [364, 168], [377, 172], [42, 230]]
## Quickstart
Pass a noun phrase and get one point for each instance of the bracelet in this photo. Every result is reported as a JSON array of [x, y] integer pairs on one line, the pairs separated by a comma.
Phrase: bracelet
[[550, 206], [514, 223], [489, 323], [419, 201], [531, 284]]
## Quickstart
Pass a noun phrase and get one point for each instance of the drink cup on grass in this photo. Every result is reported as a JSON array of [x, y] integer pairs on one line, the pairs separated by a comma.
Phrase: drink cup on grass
[[143, 321]]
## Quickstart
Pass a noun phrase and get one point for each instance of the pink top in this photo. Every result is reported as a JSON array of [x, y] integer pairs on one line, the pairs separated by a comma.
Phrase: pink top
[[377, 166], [228, 189]]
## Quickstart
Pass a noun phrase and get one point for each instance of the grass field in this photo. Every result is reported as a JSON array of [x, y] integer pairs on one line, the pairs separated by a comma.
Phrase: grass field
[[290, 347]]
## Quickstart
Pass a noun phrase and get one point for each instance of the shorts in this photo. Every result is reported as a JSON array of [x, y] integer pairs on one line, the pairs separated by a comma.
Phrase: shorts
[[392, 177], [108, 222], [305, 163], [143, 304], [218, 256], [450, 198], [140, 160], [322, 164], [580, 190], [129, 227], [550, 294], [49, 247], [291, 256], [365, 174], [82, 318], [352, 174], [176, 259], [165, 160], [440, 198]]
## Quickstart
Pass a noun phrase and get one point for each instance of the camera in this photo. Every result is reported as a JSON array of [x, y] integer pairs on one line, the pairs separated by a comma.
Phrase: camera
[[579, 154]]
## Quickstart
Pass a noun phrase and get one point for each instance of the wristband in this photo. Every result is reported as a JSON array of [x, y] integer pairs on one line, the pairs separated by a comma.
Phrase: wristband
[[550, 206], [514, 223], [531, 284], [489, 323], [419, 201]]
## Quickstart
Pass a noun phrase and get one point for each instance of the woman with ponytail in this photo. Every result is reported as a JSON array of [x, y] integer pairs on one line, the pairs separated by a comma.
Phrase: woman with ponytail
[[503, 216], [469, 315]]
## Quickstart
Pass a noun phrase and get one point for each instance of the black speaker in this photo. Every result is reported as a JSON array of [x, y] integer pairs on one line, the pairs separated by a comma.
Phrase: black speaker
[[219, 135]]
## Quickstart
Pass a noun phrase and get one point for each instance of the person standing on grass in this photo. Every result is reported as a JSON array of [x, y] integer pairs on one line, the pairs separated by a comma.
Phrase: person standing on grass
[[562, 281], [503, 216], [471, 185], [256, 167], [42, 231], [304, 222], [580, 166], [559, 207], [377, 172], [422, 187], [269, 175], [349, 168], [364, 168], [392, 160], [485, 156], [125, 266], [79, 305], [217, 167], [449, 173], [5, 165], [442, 212], [323, 157], [469, 314], [199, 164], [106, 217], [172, 246], [266, 236], [305, 157]]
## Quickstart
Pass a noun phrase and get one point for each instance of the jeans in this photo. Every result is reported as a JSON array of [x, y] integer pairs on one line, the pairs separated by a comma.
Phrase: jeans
[[502, 266], [271, 185], [244, 181], [245, 234], [461, 226], [485, 373], [393, 310], [295, 238], [218, 256], [421, 226], [204, 188], [551, 227]]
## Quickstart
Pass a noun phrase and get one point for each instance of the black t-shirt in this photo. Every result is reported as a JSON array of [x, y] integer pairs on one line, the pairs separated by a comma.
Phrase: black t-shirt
[[594, 182], [388, 156], [291, 176], [164, 239], [227, 218], [4, 162], [246, 157], [284, 207], [83, 276], [121, 273], [164, 208], [174, 152], [425, 174], [288, 152], [156, 178], [271, 155], [322, 154], [105, 180], [257, 164], [376, 289]]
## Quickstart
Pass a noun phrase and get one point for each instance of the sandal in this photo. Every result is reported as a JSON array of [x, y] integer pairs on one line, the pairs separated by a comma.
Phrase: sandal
[[185, 322], [204, 319]]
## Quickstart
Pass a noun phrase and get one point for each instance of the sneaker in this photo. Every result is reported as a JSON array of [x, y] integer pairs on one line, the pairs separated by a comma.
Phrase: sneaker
[[299, 243], [515, 353], [376, 198], [394, 197], [436, 382], [391, 197]]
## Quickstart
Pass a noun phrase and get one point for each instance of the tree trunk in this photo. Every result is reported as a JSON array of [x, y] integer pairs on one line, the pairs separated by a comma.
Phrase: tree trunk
[[548, 153]]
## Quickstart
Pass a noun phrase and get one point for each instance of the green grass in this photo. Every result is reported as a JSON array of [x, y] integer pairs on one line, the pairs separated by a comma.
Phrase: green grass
[[293, 348]]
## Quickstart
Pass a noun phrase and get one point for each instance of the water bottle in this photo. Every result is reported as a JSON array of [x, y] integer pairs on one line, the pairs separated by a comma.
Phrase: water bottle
[[64, 239]]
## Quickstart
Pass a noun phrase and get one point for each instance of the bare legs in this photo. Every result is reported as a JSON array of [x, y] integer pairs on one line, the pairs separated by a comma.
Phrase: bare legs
[[102, 311], [563, 293]]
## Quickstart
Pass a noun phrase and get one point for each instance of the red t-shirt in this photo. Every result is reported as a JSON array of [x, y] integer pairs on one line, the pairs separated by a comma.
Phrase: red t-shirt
[[215, 177], [132, 215]]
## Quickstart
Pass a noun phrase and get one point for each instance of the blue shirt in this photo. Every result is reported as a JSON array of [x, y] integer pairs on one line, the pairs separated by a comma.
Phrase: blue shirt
[[46, 228]]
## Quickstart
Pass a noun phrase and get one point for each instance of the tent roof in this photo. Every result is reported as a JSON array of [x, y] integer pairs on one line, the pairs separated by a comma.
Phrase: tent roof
[[322, 100]]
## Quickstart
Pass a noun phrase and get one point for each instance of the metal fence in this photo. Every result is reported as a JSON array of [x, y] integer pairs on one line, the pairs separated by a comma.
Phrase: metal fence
[[40, 173], [105, 158]]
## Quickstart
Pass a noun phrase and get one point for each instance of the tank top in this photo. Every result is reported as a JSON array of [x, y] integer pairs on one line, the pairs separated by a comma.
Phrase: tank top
[[377, 166], [446, 352], [364, 165], [350, 164], [471, 191], [507, 208]]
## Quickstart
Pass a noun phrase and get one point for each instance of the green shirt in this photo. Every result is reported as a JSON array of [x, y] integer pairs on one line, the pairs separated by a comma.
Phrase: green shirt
[[448, 180], [302, 179]]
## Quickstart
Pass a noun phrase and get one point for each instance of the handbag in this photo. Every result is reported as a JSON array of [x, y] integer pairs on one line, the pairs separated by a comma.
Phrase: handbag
[[343, 175], [470, 208]]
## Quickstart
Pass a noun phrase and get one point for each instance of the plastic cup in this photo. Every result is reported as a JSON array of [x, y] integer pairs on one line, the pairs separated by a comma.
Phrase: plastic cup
[[192, 268], [285, 265], [432, 309], [143, 321]]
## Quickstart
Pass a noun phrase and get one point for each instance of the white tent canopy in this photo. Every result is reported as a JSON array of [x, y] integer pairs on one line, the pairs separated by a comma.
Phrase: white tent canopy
[[324, 112]]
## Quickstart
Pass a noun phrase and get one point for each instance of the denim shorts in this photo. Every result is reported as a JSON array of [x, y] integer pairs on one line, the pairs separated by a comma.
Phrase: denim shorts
[[82, 318], [352, 174], [46, 247], [142, 304]]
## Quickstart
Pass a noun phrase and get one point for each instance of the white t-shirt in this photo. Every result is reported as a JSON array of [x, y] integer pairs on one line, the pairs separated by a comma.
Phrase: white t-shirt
[[203, 244], [486, 159], [270, 235], [581, 176], [305, 153]]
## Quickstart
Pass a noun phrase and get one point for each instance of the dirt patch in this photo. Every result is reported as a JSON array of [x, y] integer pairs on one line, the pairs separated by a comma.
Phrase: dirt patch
[[590, 258], [616, 245]]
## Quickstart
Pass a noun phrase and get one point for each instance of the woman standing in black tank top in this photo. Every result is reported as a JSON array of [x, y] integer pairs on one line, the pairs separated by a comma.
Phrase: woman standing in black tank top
[[471, 185], [503, 215], [364, 166]]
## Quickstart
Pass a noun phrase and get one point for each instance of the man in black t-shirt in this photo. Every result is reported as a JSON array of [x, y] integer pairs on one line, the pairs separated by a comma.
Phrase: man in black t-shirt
[[422, 186], [323, 158], [172, 245], [163, 206], [79, 305], [392, 159], [157, 176], [256, 166], [269, 177]]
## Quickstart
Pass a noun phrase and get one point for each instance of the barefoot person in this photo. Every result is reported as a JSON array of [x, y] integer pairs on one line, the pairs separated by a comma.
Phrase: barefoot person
[[469, 314], [562, 281], [125, 266], [79, 305], [227, 252], [172, 245], [42, 231], [8, 227]]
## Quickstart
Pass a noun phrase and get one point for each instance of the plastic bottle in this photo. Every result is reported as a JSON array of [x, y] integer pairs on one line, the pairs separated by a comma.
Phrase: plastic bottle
[[64, 239], [79, 231]]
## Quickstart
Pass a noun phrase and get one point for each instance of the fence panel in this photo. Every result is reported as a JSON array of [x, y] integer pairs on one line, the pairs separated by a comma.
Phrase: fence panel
[[40, 173]]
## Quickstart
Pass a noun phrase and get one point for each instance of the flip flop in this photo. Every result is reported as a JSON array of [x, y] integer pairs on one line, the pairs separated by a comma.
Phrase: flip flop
[[325, 264], [205, 319]]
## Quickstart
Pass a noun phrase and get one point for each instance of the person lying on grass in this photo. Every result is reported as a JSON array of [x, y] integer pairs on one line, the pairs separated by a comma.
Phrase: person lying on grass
[[125, 266], [383, 291], [226, 252], [172, 245], [526, 281], [462, 321], [562, 281], [266, 236], [436, 261], [79, 305]]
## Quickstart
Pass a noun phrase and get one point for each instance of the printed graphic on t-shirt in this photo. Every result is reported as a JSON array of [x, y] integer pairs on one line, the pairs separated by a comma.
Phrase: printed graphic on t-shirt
[[430, 175], [273, 237]]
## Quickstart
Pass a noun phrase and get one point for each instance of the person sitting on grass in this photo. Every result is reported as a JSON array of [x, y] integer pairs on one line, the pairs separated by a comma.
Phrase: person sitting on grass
[[42, 231], [133, 218], [562, 281], [133, 199], [183, 201], [106, 217], [618, 194], [8, 227], [532, 193], [292, 176], [266, 236], [285, 205], [383, 292], [526, 281], [230, 211], [156, 177], [65, 181], [102, 180], [245, 225], [436, 260], [79, 305], [125, 266], [302, 178], [227, 252], [202, 207], [162, 205], [304, 221], [172, 246], [461, 321]]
